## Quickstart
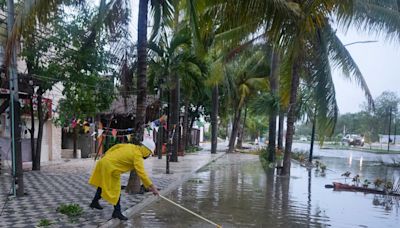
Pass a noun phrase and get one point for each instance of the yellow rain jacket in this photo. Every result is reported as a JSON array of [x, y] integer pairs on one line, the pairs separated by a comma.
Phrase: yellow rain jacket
[[119, 159]]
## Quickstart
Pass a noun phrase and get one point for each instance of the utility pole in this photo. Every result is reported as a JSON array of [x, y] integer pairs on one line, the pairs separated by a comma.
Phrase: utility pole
[[395, 128], [390, 123], [313, 135], [18, 183], [160, 134]]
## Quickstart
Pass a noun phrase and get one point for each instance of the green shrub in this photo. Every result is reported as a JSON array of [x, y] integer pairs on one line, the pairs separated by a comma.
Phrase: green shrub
[[71, 210], [44, 223], [192, 149]]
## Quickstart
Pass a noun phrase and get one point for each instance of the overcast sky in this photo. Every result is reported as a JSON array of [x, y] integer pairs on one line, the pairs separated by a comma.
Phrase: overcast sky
[[379, 63]]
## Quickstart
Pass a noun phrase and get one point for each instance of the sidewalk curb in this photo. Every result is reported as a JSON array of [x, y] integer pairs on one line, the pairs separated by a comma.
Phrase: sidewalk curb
[[138, 207]]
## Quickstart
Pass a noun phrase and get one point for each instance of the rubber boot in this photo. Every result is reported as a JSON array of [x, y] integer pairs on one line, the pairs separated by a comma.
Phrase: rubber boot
[[119, 215], [95, 204]]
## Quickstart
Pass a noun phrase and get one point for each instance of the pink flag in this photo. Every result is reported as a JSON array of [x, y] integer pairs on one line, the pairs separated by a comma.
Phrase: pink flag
[[114, 132]]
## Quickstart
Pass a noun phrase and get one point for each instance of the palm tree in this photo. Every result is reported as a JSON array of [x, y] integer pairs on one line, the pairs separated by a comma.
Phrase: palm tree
[[141, 70], [294, 24], [273, 82], [172, 58], [247, 77]]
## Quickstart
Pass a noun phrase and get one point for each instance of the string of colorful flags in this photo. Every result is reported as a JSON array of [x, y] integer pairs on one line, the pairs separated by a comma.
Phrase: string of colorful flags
[[125, 133]]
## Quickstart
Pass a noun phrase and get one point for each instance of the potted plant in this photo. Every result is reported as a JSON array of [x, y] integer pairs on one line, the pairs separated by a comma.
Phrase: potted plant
[[366, 183], [323, 167], [378, 182]]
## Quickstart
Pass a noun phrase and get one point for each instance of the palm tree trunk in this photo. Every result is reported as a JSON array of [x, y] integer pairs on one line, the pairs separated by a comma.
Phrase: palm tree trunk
[[234, 132], [291, 118], [134, 182], [174, 116], [40, 131], [239, 142], [241, 131], [32, 133], [185, 135], [280, 130], [314, 122], [192, 123], [214, 120], [273, 81]]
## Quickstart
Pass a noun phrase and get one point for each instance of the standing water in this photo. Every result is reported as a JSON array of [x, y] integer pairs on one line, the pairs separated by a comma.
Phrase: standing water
[[235, 191]]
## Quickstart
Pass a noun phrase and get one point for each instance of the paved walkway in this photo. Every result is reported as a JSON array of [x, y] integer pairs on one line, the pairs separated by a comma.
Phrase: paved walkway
[[66, 183]]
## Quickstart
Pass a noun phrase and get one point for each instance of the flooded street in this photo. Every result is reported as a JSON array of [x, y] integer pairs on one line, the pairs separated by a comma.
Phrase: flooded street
[[235, 191]]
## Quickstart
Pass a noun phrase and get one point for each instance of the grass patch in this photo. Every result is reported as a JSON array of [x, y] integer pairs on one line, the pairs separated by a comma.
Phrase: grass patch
[[192, 149], [263, 155], [44, 223], [195, 181], [71, 210]]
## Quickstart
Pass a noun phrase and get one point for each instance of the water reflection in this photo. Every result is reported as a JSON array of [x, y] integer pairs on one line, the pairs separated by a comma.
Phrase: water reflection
[[236, 192], [350, 158]]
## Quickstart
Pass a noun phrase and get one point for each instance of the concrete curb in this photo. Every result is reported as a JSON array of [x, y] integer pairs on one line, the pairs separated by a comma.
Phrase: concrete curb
[[138, 207]]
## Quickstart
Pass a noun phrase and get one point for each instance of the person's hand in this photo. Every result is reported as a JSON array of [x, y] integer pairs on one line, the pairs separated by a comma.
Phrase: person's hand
[[154, 190]]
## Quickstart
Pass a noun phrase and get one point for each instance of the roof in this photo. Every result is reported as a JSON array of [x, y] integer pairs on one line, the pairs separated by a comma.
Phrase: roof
[[127, 105]]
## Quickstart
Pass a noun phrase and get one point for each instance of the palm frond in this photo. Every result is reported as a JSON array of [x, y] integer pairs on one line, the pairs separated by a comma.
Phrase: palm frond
[[29, 13], [180, 38], [380, 18], [162, 12], [341, 58], [264, 104], [324, 89]]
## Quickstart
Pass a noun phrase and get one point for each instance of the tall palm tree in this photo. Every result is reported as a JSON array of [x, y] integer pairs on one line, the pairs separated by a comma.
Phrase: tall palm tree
[[247, 77], [172, 57], [273, 82]]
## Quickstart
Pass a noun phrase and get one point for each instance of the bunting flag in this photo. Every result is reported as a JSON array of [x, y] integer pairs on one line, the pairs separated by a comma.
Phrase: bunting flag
[[86, 129], [114, 132], [100, 133], [73, 125]]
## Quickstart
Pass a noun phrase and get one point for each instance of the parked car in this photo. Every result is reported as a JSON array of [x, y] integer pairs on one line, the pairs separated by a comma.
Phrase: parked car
[[353, 140], [303, 138]]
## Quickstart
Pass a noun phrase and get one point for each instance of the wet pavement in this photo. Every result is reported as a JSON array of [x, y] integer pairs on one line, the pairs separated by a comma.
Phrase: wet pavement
[[235, 191]]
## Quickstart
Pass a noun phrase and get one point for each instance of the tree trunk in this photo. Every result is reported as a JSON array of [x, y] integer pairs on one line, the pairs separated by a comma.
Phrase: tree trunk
[[174, 117], [160, 135], [291, 118], [40, 130], [241, 131], [273, 82], [32, 133], [74, 141], [239, 143], [134, 182], [234, 132], [185, 135], [280, 130], [214, 120], [314, 121]]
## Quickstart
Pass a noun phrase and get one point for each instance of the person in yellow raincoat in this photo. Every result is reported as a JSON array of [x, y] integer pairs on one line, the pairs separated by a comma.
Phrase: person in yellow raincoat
[[119, 159]]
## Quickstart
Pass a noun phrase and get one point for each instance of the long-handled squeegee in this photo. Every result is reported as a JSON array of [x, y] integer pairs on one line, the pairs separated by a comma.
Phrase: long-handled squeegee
[[191, 212]]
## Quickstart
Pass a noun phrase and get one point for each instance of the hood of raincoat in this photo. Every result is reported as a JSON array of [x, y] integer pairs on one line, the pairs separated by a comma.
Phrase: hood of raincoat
[[149, 144], [146, 152]]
